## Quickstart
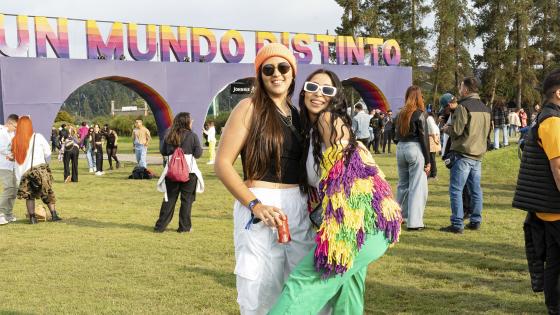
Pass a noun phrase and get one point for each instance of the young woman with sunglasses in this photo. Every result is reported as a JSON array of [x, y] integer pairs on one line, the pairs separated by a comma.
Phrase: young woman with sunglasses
[[360, 217], [265, 130]]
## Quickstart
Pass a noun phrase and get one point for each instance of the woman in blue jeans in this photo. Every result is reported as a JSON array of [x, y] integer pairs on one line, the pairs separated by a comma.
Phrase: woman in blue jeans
[[413, 159]]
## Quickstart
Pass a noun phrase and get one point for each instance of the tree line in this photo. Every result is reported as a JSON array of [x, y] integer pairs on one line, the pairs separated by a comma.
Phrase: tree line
[[521, 42]]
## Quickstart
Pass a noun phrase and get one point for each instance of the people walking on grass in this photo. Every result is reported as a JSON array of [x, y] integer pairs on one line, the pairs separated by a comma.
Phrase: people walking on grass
[[180, 135], [413, 159], [387, 131], [97, 137], [468, 133], [500, 123], [31, 153], [514, 123], [523, 117], [211, 134], [111, 146], [7, 176], [71, 152], [435, 145], [360, 124], [141, 139], [88, 146], [55, 143], [538, 193], [353, 233], [265, 129]]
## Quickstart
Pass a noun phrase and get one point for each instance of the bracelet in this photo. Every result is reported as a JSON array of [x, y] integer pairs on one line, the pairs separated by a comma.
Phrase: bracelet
[[252, 204]]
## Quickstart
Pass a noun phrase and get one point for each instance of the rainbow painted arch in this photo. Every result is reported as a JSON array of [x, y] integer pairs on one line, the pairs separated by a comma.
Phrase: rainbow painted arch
[[370, 93], [160, 108]]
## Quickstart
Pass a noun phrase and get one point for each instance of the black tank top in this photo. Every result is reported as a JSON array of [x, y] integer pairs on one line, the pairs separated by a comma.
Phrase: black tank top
[[292, 150]]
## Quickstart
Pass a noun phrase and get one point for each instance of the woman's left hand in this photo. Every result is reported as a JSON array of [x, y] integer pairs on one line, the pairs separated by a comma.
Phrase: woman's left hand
[[427, 169]]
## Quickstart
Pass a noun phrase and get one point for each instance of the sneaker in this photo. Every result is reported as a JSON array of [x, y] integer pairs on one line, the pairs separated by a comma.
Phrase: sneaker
[[110, 168], [118, 164], [3, 220], [210, 162], [91, 170], [67, 180], [184, 231], [11, 218], [473, 226], [99, 173], [452, 229]]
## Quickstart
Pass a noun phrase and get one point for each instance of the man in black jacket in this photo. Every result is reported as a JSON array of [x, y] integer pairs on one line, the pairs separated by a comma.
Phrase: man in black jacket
[[538, 192]]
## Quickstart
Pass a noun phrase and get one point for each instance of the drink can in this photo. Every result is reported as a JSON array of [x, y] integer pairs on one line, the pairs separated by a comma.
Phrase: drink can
[[284, 232]]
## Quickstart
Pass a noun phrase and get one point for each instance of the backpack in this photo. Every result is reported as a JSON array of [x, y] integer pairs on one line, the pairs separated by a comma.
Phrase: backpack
[[177, 168], [140, 172]]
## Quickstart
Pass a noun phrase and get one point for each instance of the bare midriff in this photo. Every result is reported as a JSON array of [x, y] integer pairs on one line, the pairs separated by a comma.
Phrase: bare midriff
[[270, 185]]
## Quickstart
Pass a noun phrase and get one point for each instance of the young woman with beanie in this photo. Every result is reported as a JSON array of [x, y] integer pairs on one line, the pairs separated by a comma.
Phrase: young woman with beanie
[[413, 158], [32, 153], [360, 217], [265, 129]]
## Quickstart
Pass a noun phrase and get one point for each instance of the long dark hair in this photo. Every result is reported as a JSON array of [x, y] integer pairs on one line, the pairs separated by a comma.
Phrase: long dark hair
[[337, 107], [181, 123], [265, 140]]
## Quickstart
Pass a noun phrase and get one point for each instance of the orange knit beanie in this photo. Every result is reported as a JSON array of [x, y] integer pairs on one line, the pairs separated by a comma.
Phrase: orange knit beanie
[[275, 50]]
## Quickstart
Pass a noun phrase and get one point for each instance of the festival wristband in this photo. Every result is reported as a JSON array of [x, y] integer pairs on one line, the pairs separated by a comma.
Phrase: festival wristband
[[252, 204]]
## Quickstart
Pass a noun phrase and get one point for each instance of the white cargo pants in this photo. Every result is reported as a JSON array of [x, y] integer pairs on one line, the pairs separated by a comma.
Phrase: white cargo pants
[[262, 264]]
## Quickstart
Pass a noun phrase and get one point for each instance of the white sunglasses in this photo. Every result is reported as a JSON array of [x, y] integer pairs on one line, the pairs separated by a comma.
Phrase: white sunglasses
[[326, 90]]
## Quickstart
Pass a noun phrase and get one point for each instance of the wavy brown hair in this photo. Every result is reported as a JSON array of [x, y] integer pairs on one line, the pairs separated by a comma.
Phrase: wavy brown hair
[[413, 102], [266, 139]]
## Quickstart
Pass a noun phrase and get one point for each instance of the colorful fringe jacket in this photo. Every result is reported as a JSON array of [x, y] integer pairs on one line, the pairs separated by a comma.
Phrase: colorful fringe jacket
[[356, 200]]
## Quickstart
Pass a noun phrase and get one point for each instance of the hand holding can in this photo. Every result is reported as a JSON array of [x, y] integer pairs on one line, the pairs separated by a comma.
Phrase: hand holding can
[[284, 231]]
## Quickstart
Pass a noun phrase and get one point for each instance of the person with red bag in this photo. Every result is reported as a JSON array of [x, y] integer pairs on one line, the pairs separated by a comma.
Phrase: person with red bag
[[179, 142]]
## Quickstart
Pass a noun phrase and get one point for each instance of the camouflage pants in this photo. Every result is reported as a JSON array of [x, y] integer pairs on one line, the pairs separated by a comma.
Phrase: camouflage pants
[[44, 177]]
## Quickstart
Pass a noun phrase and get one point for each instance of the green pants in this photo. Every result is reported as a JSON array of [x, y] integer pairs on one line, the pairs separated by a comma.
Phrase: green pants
[[306, 293]]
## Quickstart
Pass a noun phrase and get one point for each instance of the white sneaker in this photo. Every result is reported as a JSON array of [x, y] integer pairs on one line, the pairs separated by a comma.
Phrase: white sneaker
[[3, 220], [11, 218], [99, 173], [210, 162], [91, 170]]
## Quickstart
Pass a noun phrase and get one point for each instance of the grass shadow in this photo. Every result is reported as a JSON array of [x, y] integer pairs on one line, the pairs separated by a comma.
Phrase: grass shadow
[[220, 277], [102, 224]]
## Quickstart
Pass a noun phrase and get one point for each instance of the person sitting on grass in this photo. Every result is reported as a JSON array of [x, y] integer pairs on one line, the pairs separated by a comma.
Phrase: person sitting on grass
[[32, 153]]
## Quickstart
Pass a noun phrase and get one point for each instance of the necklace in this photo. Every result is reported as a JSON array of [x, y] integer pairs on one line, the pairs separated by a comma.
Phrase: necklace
[[287, 119]]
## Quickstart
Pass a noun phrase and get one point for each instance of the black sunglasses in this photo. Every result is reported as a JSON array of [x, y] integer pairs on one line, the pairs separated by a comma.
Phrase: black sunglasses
[[326, 90], [269, 69]]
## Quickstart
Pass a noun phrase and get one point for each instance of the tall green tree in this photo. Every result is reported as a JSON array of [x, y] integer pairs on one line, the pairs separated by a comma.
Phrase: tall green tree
[[492, 27], [454, 33]]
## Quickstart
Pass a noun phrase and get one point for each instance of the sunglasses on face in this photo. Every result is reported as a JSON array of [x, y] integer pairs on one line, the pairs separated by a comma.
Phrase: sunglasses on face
[[314, 87], [269, 69]]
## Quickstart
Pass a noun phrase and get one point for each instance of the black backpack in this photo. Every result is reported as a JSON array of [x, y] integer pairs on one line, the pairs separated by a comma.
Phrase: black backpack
[[140, 172]]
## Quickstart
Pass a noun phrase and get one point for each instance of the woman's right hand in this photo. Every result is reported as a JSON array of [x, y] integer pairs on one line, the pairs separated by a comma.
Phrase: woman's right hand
[[270, 215]]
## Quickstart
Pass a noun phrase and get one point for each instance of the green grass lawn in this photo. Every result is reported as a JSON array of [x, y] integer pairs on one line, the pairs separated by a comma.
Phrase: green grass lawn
[[104, 259]]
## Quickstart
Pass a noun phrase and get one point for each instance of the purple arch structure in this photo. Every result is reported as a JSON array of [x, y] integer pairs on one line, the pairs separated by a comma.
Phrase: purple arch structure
[[39, 86]]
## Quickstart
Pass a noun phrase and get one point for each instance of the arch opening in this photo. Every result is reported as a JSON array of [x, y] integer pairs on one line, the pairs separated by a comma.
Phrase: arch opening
[[370, 93]]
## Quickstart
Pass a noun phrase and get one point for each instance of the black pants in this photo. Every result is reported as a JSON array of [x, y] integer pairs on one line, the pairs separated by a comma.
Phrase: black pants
[[552, 266], [387, 139], [433, 169], [112, 154], [71, 156], [187, 191], [99, 158], [377, 140], [364, 141]]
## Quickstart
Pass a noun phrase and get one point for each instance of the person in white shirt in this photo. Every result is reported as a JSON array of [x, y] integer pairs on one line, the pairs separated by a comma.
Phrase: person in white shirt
[[7, 176], [360, 124], [31, 153], [435, 146], [211, 134]]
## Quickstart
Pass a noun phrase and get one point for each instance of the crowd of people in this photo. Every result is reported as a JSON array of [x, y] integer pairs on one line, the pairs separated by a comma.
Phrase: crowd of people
[[312, 169]]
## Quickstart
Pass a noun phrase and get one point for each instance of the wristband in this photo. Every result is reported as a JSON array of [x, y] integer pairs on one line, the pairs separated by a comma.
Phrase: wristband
[[252, 204]]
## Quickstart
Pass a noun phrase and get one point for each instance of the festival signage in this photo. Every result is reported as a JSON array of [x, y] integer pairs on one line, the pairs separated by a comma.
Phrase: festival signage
[[173, 42]]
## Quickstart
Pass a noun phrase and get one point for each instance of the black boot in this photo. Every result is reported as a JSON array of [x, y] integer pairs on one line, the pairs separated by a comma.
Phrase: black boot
[[54, 216], [32, 219]]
